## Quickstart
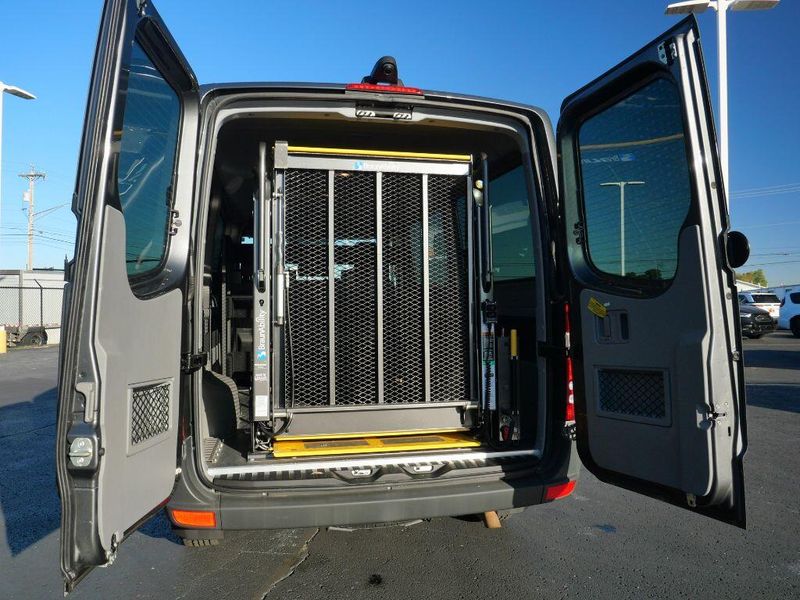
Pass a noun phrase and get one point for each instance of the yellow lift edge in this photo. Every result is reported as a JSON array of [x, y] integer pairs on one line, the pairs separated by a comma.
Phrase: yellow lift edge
[[369, 445], [378, 153]]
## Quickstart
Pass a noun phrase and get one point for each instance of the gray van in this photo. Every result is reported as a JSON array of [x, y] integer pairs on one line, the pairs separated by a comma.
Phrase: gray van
[[297, 305]]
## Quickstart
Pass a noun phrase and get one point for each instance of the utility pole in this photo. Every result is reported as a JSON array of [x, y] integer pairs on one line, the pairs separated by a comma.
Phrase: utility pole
[[29, 197]]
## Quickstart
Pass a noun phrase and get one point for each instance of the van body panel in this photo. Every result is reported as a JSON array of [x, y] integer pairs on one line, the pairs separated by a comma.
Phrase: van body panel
[[658, 388]]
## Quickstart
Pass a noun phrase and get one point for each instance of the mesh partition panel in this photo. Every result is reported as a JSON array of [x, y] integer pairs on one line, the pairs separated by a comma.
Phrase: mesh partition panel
[[306, 193], [149, 412], [403, 343], [634, 393], [449, 297], [355, 306], [363, 305]]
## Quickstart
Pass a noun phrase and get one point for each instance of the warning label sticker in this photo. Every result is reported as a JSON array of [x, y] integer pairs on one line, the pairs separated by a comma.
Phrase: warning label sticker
[[596, 308]]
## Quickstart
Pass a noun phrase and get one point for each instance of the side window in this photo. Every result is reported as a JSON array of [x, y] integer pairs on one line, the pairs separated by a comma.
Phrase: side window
[[148, 146], [742, 299], [635, 180], [512, 241], [795, 297]]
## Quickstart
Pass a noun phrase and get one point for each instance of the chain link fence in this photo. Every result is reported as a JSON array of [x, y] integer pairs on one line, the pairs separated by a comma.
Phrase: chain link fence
[[31, 313]]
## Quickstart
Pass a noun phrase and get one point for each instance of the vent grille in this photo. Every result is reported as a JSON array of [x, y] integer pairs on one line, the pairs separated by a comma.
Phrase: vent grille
[[149, 412], [633, 393], [307, 257], [449, 299], [403, 335], [355, 308]]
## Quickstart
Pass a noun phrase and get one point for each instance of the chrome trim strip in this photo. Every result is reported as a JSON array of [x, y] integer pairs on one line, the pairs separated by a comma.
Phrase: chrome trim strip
[[280, 466]]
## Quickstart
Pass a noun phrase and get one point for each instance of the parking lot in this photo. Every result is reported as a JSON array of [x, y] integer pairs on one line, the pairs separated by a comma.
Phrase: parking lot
[[600, 541]]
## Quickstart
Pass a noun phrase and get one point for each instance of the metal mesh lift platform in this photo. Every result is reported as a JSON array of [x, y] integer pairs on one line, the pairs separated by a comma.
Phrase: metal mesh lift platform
[[370, 292]]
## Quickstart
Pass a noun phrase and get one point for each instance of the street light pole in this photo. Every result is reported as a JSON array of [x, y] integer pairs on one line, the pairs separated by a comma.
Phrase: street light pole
[[20, 93], [721, 6], [621, 185]]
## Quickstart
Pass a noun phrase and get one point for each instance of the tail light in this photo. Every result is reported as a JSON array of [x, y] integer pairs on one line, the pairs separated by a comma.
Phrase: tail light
[[386, 89], [194, 518], [569, 416], [560, 490]]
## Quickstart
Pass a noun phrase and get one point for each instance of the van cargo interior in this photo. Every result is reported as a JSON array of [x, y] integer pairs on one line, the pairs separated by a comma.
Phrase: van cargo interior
[[368, 290]]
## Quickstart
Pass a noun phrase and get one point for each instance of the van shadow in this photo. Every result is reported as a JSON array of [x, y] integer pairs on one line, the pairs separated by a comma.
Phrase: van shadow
[[771, 359], [776, 397], [28, 491]]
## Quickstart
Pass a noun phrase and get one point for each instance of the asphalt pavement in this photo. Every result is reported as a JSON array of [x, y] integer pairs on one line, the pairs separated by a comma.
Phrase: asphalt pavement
[[599, 542]]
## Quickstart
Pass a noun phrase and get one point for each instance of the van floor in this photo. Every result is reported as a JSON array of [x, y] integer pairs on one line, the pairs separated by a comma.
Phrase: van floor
[[233, 451]]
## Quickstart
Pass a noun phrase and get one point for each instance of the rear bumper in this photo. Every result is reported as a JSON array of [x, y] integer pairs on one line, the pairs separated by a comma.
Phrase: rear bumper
[[758, 328], [376, 504], [239, 509]]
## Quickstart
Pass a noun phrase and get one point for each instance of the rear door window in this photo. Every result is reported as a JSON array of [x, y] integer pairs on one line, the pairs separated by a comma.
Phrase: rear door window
[[765, 299], [148, 149], [635, 183], [795, 297]]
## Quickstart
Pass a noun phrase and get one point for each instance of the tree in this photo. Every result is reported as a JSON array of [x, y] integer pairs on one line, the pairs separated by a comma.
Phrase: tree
[[756, 277]]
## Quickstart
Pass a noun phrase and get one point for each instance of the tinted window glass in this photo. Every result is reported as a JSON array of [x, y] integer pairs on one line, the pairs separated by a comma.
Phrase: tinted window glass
[[765, 298], [146, 162], [636, 188], [795, 297], [512, 242]]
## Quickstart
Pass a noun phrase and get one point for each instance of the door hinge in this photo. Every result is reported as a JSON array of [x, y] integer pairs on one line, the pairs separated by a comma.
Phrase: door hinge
[[667, 52], [174, 222], [192, 362], [577, 231]]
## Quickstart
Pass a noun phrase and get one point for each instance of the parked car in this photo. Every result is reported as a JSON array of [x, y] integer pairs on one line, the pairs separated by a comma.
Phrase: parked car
[[418, 365], [755, 321], [790, 313], [766, 300]]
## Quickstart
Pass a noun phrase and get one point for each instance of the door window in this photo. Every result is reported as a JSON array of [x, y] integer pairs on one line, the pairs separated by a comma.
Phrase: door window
[[512, 240], [146, 163], [635, 183]]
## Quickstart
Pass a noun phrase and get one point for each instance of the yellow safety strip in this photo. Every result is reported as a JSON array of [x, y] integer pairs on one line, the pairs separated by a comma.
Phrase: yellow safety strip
[[369, 445], [379, 153], [514, 344]]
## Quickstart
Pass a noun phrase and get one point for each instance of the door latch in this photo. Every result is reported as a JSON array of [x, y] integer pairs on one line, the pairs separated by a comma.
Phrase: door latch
[[191, 362], [81, 452]]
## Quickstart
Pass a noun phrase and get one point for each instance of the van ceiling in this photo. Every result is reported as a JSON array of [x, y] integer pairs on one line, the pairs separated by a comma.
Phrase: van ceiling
[[237, 147]]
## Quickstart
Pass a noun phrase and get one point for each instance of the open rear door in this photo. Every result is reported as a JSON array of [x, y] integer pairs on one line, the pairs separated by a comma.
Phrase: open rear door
[[655, 344], [120, 362]]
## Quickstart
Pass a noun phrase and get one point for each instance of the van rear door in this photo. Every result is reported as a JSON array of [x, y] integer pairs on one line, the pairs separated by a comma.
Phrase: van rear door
[[120, 361], [658, 375]]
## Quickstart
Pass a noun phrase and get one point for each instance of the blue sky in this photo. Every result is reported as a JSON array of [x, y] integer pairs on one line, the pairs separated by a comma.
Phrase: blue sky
[[533, 52]]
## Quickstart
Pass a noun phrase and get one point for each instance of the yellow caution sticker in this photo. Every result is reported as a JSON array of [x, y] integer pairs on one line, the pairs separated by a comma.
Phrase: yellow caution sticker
[[596, 308]]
